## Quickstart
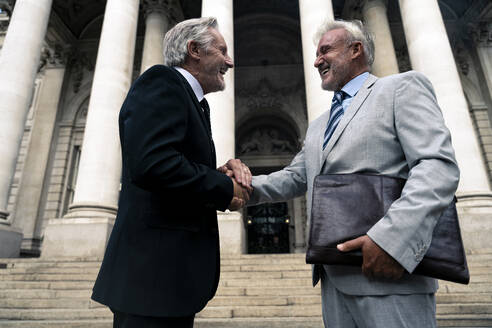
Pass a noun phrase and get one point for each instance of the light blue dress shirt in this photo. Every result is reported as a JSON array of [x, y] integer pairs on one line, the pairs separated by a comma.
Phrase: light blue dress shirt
[[352, 87]]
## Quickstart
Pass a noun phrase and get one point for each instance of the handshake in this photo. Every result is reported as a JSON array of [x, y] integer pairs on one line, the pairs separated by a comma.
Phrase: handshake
[[241, 178]]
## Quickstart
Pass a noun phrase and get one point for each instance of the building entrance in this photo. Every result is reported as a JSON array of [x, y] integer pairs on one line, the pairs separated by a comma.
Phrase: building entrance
[[268, 228]]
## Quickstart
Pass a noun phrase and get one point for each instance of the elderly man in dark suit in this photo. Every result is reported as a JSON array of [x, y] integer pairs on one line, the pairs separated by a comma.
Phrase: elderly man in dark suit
[[162, 261]]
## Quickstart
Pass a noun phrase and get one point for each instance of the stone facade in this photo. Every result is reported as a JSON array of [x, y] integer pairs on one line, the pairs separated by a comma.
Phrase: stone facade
[[64, 179]]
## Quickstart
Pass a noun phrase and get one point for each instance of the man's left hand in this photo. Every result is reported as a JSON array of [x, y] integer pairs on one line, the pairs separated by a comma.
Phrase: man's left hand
[[376, 262]]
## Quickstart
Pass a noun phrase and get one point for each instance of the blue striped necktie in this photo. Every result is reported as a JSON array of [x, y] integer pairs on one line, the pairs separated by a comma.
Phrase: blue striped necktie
[[336, 114]]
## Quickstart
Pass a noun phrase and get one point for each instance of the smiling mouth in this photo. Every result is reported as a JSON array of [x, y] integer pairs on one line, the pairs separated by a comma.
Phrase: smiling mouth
[[324, 71], [223, 71]]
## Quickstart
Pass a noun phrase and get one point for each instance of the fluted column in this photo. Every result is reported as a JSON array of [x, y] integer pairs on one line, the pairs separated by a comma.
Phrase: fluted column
[[36, 161], [18, 67], [86, 227], [376, 20], [156, 26], [312, 14], [483, 41], [430, 53], [222, 114], [222, 102]]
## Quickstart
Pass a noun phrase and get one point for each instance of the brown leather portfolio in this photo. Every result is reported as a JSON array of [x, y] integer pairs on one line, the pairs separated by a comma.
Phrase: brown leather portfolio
[[346, 206]]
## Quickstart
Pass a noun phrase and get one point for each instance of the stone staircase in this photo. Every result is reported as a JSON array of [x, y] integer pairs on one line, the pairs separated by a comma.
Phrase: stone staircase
[[255, 291]]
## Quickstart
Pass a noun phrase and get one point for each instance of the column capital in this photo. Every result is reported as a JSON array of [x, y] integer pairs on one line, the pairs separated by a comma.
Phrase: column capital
[[481, 33], [53, 56], [364, 3], [168, 8]]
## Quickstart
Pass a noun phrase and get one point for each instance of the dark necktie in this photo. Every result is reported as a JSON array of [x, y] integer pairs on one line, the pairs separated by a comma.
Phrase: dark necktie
[[336, 114], [206, 110]]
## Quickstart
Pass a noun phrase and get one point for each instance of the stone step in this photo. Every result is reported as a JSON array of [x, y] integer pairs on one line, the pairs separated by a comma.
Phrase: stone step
[[287, 282], [55, 314], [52, 270], [265, 260], [57, 303], [263, 300], [268, 267], [43, 293], [471, 308], [267, 291], [302, 322], [449, 287], [465, 320], [35, 263], [442, 298], [261, 311], [48, 277]]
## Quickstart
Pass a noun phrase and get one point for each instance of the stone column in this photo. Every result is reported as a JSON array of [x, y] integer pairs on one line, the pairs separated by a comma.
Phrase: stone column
[[231, 224], [36, 161], [376, 20], [483, 40], [430, 53], [18, 67], [85, 229], [300, 233], [156, 26], [312, 14]]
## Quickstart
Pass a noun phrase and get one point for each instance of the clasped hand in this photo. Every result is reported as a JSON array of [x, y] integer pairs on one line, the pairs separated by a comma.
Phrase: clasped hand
[[376, 262], [241, 178]]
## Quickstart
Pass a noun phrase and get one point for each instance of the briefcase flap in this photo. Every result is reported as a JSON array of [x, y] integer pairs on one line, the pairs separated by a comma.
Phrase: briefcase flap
[[346, 206]]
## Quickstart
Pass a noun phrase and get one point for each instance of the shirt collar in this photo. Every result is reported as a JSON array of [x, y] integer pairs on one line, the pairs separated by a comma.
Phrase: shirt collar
[[353, 86], [195, 85]]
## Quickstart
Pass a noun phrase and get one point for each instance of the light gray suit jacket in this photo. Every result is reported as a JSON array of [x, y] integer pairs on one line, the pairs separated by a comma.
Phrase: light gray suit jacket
[[392, 127]]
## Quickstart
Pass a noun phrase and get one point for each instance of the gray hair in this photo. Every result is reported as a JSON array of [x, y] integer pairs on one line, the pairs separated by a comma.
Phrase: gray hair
[[356, 31], [176, 39]]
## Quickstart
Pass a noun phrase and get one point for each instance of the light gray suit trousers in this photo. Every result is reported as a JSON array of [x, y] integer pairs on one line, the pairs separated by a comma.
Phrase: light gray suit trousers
[[392, 127]]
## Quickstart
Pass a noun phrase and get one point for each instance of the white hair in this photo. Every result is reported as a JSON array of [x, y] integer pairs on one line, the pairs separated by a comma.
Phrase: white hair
[[176, 39], [356, 31]]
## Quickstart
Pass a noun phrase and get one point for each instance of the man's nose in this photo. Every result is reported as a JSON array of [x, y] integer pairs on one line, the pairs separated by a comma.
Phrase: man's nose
[[317, 61], [229, 62]]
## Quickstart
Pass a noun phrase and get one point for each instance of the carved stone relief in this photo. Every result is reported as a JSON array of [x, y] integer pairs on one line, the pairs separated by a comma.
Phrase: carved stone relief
[[81, 63], [481, 33], [266, 140], [53, 56]]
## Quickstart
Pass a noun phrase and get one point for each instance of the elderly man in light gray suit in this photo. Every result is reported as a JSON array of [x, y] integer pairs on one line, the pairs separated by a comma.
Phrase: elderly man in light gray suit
[[389, 126]]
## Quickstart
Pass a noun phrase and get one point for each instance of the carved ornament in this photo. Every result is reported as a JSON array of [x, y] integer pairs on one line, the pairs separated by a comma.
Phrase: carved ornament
[[80, 62], [481, 33], [52, 56], [266, 140]]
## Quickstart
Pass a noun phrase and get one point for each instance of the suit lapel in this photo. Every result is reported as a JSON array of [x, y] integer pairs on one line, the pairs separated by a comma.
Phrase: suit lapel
[[349, 114], [199, 109]]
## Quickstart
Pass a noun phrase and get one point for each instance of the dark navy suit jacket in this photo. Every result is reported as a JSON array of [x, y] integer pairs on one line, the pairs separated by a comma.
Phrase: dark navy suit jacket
[[162, 258]]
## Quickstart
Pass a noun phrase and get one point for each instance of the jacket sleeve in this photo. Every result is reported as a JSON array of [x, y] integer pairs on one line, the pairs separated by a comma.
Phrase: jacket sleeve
[[155, 121], [405, 232], [288, 183]]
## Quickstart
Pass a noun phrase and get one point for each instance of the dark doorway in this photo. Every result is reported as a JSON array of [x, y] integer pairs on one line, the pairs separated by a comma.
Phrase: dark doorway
[[268, 228]]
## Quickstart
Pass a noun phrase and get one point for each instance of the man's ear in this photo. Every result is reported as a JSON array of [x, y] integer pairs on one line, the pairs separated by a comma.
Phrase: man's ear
[[193, 50], [357, 50]]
